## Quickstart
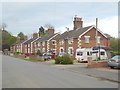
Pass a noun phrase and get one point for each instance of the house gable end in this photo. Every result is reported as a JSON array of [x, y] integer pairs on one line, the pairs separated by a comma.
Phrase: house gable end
[[91, 29]]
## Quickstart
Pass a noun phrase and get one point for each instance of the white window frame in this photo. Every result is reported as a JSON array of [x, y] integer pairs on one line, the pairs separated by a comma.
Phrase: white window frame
[[28, 50], [87, 39], [34, 44], [38, 44], [43, 43], [61, 42], [70, 51], [54, 41], [98, 39], [43, 49], [28, 45], [61, 48], [70, 41]]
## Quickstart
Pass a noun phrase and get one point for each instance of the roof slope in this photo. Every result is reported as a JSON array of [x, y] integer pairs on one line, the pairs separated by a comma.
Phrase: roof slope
[[30, 40], [46, 38], [74, 33]]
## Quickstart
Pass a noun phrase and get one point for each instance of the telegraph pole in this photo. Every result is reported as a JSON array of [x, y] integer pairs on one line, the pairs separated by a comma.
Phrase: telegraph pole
[[97, 37], [67, 40], [96, 31]]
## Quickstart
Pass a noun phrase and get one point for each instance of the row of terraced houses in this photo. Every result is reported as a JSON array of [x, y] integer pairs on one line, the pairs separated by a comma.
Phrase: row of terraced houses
[[69, 41]]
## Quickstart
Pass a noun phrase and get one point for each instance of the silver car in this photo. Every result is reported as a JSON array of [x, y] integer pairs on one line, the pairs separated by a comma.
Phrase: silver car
[[47, 56], [114, 62], [62, 54]]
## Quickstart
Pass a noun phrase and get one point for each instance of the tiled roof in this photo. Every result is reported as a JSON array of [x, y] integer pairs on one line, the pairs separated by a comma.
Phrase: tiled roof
[[74, 33], [107, 35], [45, 38], [30, 40], [18, 43]]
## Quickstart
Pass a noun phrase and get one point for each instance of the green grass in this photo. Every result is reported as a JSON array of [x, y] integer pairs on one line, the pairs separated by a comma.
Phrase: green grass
[[31, 60]]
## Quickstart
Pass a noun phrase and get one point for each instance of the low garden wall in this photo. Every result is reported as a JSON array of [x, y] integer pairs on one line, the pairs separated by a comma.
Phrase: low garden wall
[[96, 64]]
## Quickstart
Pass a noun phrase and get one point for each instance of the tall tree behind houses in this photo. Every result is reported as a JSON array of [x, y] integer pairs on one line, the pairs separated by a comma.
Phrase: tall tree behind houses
[[21, 35], [42, 32]]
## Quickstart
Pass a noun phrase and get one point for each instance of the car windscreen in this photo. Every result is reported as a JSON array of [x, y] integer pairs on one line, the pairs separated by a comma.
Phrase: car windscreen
[[116, 58]]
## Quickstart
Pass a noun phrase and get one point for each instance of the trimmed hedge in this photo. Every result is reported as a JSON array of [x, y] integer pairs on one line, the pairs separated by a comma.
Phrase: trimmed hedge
[[66, 59]]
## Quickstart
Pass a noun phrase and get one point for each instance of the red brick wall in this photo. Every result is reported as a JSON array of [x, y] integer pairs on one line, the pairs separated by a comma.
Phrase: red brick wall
[[51, 46], [92, 34], [75, 45], [45, 46], [23, 48]]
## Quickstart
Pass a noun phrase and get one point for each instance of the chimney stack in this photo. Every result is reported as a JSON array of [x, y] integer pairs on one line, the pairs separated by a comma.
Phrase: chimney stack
[[50, 31], [78, 23], [35, 35]]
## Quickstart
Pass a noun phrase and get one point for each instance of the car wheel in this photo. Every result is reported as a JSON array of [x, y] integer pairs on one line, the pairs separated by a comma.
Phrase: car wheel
[[112, 67]]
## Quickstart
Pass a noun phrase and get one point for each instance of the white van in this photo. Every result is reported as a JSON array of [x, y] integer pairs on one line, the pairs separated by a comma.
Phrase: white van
[[82, 54]]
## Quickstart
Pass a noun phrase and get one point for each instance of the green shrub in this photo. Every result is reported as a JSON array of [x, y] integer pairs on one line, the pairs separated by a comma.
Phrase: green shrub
[[66, 59], [58, 60], [39, 53]]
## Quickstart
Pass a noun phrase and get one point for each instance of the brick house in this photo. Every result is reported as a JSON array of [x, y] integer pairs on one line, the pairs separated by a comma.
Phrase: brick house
[[28, 47], [81, 37], [47, 43], [18, 46]]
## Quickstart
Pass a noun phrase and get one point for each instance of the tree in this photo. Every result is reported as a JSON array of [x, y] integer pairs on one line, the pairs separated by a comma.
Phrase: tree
[[21, 35], [39, 52], [42, 32], [12, 40], [5, 37], [114, 42], [5, 40]]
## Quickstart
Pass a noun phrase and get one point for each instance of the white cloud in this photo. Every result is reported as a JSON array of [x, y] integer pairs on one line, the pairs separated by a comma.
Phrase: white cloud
[[108, 25], [28, 17]]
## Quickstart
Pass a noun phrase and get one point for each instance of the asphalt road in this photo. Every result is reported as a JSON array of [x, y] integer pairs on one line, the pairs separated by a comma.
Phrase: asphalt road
[[17, 73]]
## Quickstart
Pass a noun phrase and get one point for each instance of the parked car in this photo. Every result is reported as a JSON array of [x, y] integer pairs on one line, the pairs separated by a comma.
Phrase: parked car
[[62, 54], [46, 56], [114, 62]]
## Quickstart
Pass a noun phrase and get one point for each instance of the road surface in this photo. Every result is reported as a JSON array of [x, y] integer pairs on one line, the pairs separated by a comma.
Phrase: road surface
[[17, 73]]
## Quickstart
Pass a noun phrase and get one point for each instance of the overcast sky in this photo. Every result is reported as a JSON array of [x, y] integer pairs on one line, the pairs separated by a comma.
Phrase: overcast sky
[[27, 17]]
